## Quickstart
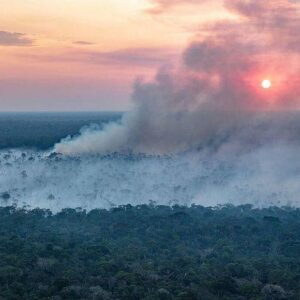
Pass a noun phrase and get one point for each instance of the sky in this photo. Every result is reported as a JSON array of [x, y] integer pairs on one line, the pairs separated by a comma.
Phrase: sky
[[73, 55]]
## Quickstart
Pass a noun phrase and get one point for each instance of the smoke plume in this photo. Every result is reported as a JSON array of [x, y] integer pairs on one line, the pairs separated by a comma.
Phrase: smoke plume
[[215, 89]]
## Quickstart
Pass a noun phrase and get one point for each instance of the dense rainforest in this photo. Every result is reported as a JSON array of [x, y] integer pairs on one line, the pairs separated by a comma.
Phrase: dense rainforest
[[150, 252]]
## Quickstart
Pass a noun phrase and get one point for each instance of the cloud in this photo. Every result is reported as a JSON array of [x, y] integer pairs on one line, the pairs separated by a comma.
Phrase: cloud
[[160, 6], [261, 42], [277, 22], [14, 39], [133, 57], [83, 43]]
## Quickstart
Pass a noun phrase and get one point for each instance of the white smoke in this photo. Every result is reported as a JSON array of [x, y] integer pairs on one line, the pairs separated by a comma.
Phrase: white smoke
[[230, 170], [169, 117], [112, 137], [203, 133]]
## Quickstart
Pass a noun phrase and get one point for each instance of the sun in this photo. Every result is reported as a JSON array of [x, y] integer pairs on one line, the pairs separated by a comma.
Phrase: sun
[[266, 84]]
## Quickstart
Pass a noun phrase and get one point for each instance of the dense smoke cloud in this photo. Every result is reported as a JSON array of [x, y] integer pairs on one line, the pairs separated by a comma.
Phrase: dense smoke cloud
[[216, 85]]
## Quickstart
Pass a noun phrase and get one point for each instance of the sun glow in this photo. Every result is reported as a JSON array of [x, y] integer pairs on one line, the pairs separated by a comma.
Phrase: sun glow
[[266, 84]]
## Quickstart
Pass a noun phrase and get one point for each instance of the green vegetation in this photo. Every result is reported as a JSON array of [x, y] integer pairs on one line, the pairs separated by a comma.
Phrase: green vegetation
[[150, 252]]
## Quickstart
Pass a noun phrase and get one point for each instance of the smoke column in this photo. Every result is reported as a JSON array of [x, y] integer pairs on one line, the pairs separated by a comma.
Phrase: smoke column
[[214, 90]]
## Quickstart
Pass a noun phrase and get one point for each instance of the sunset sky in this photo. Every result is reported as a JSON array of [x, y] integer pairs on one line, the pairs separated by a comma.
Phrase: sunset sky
[[85, 54]]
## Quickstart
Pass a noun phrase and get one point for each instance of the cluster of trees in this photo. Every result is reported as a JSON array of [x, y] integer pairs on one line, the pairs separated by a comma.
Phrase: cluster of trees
[[150, 252]]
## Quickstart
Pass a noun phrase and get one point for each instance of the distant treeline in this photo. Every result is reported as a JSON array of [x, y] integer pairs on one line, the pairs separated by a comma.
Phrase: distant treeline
[[43, 130], [150, 252]]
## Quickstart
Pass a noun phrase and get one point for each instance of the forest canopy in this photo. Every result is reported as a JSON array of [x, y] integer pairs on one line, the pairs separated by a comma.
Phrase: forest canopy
[[150, 252]]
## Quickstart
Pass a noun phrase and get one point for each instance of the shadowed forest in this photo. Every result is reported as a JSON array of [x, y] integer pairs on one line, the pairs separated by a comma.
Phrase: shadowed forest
[[150, 252]]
